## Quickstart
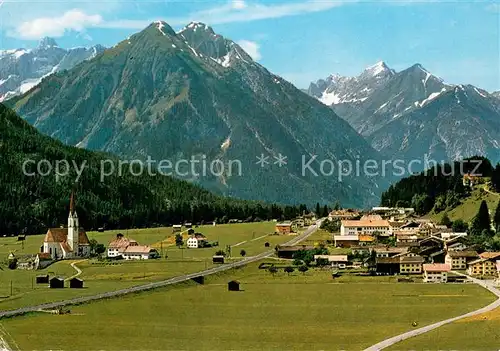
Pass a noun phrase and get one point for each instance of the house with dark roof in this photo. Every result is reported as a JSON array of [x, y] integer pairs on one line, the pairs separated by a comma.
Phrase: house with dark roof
[[460, 259], [70, 242]]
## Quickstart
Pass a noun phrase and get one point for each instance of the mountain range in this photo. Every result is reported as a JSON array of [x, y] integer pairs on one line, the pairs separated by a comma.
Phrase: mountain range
[[407, 114], [22, 69], [197, 95]]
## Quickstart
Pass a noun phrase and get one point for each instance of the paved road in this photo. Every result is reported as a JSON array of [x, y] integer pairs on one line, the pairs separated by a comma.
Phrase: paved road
[[394, 340], [159, 284]]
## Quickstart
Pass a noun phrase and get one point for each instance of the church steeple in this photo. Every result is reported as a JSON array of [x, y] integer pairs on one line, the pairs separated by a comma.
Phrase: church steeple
[[73, 225]]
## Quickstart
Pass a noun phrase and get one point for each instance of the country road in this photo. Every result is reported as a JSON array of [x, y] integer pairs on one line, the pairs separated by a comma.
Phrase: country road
[[489, 285], [149, 286]]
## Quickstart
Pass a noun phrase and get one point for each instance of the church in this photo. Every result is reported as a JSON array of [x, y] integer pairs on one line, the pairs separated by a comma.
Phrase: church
[[70, 242]]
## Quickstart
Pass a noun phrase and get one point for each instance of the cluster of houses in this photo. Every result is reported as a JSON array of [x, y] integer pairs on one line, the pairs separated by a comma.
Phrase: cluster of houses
[[129, 249], [396, 242]]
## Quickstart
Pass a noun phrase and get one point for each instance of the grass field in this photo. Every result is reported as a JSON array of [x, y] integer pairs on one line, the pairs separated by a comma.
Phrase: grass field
[[300, 312], [104, 276], [480, 332], [470, 206]]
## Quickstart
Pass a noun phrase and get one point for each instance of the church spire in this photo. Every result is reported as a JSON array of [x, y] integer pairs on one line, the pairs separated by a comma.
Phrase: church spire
[[72, 202]]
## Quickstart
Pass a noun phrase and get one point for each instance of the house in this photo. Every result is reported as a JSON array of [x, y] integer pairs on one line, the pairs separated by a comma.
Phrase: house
[[459, 259], [387, 251], [283, 228], [285, 251], [485, 265], [471, 180], [436, 272], [130, 249], [176, 228], [365, 239], [337, 261], [139, 252], [346, 240], [56, 283], [342, 215], [70, 242], [411, 264], [76, 283], [387, 265], [118, 245], [233, 285], [196, 241], [367, 225]]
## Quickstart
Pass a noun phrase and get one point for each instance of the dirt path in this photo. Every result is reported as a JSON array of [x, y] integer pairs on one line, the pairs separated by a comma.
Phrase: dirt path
[[489, 285], [78, 271]]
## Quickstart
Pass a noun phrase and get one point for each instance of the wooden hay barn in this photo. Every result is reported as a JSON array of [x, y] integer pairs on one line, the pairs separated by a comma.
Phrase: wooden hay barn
[[76, 283], [56, 283], [233, 285], [42, 279], [218, 259]]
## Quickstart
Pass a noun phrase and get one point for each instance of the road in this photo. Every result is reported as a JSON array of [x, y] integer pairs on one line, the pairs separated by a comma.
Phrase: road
[[171, 281], [394, 340]]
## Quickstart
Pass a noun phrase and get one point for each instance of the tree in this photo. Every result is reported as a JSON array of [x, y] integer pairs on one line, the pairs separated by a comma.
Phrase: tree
[[337, 207], [220, 253], [178, 240], [243, 253], [289, 269], [459, 226], [325, 211], [481, 221], [496, 218], [320, 262], [273, 270], [445, 220], [303, 269], [297, 262], [318, 210]]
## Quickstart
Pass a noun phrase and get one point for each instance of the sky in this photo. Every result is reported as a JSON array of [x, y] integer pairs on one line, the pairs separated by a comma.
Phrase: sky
[[302, 40]]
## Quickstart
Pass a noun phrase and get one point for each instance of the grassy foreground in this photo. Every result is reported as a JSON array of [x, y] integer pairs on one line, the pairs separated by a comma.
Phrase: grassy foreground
[[300, 312], [480, 332]]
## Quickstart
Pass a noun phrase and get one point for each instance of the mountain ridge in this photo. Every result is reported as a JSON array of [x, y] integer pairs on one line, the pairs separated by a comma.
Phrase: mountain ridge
[[197, 94]]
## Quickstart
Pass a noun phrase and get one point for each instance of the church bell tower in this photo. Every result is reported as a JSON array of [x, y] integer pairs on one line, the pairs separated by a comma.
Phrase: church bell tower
[[73, 227]]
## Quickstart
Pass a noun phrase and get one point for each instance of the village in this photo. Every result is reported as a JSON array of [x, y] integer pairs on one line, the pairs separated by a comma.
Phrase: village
[[416, 257]]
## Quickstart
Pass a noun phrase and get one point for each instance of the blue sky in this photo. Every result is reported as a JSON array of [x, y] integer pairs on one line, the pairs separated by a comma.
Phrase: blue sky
[[300, 40]]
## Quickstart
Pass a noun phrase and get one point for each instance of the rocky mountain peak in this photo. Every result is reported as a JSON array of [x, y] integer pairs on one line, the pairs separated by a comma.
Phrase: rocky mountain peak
[[46, 43], [377, 69], [163, 27]]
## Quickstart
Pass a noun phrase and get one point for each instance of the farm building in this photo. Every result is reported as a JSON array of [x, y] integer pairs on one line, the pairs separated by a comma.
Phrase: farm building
[[233, 285], [130, 249], [56, 283], [218, 259], [284, 228], [42, 279], [197, 240], [76, 283], [176, 228]]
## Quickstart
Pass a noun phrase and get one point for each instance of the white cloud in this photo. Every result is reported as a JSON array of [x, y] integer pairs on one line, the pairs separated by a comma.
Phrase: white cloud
[[252, 48], [239, 4], [75, 20]]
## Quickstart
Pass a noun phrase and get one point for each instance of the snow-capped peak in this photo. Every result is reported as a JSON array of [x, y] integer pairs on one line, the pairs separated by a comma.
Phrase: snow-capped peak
[[194, 26], [377, 68], [160, 25]]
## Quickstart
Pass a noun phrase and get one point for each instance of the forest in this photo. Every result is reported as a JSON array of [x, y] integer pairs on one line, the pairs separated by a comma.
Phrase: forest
[[31, 204], [440, 187]]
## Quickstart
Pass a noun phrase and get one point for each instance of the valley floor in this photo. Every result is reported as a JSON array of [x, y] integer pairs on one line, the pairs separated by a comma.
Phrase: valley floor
[[296, 311]]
